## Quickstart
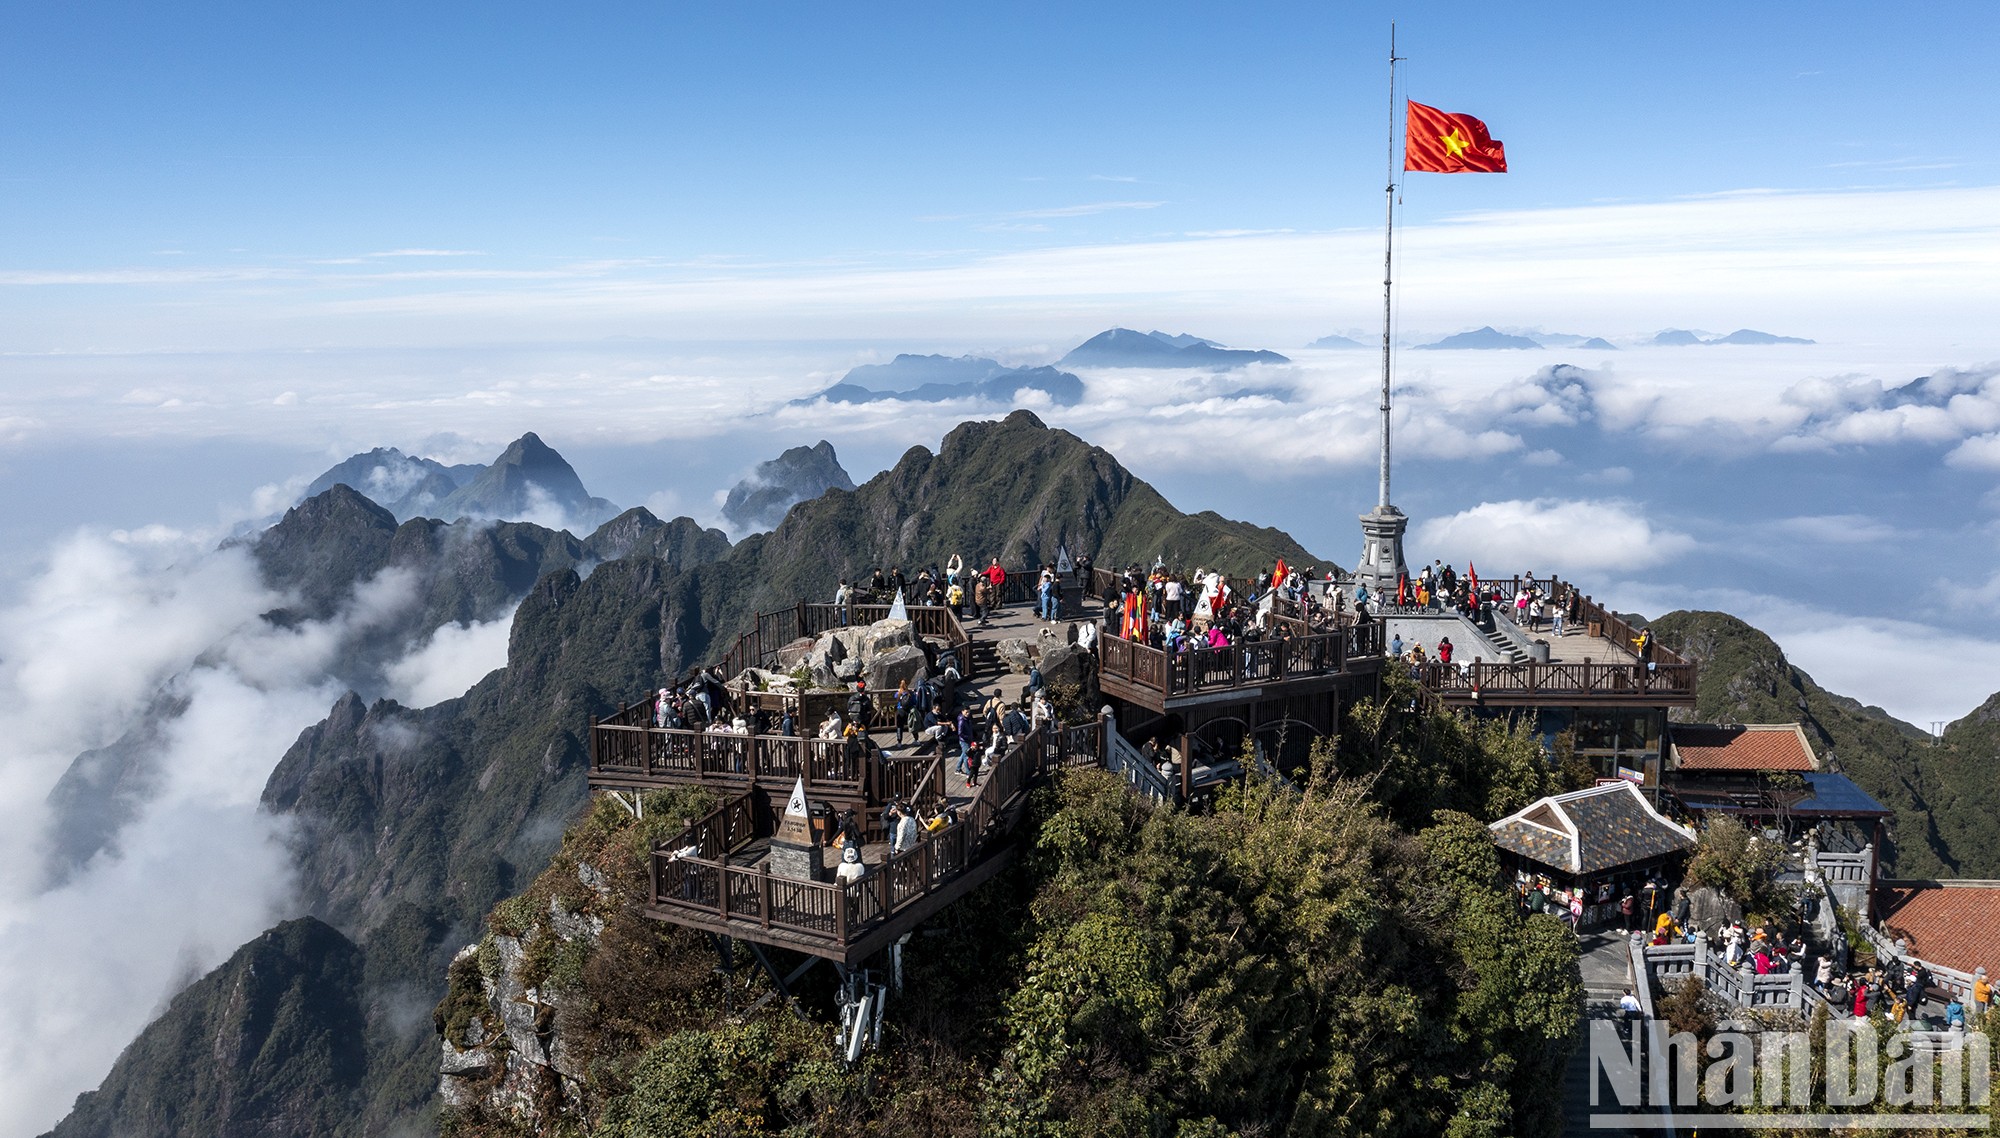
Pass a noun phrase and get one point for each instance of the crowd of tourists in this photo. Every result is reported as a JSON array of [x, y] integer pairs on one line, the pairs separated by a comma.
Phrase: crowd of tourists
[[969, 592], [1179, 612]]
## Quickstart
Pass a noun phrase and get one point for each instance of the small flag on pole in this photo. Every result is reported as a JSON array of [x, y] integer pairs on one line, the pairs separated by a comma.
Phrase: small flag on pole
[[1439, 142]]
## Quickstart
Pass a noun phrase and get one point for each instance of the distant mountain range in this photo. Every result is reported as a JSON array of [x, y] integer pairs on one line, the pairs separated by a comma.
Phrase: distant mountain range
[[935, 379], [1122, 347], [1336, 342], [760, 501], [1681, 337], [1490, 338], [529, 479]]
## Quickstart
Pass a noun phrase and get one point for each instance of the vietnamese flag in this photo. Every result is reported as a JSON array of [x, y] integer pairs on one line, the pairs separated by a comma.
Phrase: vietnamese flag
[[1278, 574], [1440, 142], [1473, 574]]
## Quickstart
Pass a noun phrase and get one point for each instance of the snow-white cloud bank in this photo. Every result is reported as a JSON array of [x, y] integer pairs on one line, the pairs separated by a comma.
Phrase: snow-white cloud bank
[[1547, 535], [454, 658]]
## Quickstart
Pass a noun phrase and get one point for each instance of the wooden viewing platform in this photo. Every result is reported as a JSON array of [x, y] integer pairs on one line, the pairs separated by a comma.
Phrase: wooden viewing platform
[[1294, 665], [714, 891]]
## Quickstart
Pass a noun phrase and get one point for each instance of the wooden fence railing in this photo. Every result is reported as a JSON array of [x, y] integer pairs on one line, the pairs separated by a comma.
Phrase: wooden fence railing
[[839, 912], [676, 756], [1585, 680], [1238, 665]]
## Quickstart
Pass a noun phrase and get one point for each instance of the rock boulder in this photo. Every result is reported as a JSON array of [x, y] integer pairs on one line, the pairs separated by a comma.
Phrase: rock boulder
[[1017, 654], [890, 668]]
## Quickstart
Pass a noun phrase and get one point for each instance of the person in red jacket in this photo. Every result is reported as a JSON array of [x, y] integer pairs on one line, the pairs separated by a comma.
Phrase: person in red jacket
[[996, 577]]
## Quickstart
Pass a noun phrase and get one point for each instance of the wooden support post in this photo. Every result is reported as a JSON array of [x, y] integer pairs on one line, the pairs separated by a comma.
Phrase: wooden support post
[[764, 893], [1187, 766]]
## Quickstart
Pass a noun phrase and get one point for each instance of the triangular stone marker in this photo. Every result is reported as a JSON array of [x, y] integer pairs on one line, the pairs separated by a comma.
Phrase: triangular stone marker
[[899, 610], [797, 806]]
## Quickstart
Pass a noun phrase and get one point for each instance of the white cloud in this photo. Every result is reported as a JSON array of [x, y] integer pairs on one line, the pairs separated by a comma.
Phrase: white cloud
[[1550, 535], [1981, 452], [1835, 529], [429, 253], [455, 657], [1084, 210]]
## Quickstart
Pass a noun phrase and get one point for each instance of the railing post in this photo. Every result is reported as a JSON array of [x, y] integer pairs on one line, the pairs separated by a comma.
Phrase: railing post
[[722, 887], [764, 893], [840, 915], [888, 894]]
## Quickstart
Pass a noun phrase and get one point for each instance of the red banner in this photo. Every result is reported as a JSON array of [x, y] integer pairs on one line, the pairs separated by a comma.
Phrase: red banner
[[1440, 142]]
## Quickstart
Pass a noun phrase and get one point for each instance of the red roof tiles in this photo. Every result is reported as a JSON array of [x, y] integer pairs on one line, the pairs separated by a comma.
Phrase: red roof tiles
[[1756, 747], [1957, 926]]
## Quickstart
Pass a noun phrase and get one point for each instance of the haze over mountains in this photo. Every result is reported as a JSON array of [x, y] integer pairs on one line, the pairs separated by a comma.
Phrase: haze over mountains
[[1489, 338], [760, 501], [1122, 347]]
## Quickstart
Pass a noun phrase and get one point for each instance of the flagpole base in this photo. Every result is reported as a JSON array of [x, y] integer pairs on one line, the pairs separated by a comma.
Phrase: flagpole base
[[1381, 565]]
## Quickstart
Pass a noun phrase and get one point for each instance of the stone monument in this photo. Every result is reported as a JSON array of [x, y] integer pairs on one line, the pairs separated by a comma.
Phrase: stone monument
[[796, 848]]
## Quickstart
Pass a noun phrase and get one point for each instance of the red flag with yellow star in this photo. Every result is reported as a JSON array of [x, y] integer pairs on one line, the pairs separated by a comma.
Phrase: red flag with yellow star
[[1440, 142]]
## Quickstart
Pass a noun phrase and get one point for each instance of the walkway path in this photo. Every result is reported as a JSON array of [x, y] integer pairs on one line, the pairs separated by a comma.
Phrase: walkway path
[[987, 677]]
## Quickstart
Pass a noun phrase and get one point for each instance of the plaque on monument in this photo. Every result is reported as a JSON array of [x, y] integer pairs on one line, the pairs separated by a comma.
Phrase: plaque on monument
[[795, 848]]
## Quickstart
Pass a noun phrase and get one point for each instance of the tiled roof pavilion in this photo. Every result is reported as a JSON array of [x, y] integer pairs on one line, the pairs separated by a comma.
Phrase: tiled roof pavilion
[[1590, 831], [1751, 747]]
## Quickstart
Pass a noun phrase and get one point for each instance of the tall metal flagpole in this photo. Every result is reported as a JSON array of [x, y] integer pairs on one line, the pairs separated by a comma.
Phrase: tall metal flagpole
[[1388, 266], [1381, 566]]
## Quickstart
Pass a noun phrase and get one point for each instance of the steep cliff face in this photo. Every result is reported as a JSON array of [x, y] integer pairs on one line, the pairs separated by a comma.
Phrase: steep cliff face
[[1943, 792], [269, 1044]]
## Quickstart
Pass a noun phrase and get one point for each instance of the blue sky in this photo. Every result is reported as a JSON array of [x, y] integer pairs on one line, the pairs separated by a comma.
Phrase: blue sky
[[259, 134]]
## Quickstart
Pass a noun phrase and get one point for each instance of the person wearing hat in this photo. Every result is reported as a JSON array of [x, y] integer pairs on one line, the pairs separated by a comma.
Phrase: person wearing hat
[[1982, 995]]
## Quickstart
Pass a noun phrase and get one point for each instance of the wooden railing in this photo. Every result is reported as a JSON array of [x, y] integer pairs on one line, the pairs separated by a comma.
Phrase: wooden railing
[[722, 831], [1238, 665], [676, 755], [837, 912], [1580, 680]]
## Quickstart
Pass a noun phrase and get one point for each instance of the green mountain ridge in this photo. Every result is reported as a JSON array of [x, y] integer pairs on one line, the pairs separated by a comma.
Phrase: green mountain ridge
[[1943, 791]]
